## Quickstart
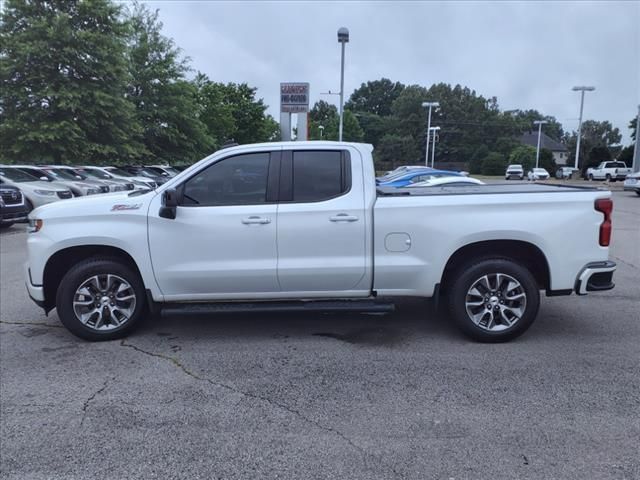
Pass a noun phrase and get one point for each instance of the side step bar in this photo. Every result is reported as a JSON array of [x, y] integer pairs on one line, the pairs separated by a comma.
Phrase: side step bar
[[360, 306]]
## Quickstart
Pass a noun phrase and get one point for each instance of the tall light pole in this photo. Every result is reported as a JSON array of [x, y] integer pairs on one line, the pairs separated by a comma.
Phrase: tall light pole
[[582, 90], [635, 167], [428, 105], [433, 150], [343, 38], [539, 123]]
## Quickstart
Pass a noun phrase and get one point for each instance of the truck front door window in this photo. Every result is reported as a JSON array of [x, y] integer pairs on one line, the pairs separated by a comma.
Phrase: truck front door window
[[239, 180]]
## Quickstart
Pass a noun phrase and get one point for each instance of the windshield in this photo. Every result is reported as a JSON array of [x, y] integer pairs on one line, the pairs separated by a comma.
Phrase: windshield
[[95, 173], [16, 175], [396, 176], [119, 172], [36, 172], [65, 174]]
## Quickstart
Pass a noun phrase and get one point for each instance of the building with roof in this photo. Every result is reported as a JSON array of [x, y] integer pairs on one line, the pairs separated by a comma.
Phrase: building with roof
[[559, 150]]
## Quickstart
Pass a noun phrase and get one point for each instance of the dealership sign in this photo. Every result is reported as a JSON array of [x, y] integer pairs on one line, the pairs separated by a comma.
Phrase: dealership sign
[[294, 97]]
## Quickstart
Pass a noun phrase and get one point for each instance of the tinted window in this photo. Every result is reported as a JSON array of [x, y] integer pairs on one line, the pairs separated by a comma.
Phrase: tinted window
[[318, 176], [240, 180]]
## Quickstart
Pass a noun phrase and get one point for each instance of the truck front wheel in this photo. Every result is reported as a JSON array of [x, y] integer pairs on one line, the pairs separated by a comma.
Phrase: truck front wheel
[[101, 299], [495, 300]]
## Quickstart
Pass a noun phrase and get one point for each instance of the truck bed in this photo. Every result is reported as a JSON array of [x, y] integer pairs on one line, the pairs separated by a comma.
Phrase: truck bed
[[487, 189]]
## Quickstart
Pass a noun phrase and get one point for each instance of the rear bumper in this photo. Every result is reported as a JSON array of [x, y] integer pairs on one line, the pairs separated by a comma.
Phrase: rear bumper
[[595, 277]]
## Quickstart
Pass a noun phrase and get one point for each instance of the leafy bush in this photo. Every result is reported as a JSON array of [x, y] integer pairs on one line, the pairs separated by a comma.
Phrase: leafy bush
[[494, 164]]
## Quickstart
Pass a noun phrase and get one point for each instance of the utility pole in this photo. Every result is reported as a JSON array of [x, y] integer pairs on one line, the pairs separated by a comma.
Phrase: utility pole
[[539, 123], [636, 150], [581, 90], [343, 39], [433, 150], [428, 105]]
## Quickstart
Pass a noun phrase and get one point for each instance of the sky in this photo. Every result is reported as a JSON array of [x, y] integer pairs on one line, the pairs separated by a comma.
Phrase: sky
[[527, 54]]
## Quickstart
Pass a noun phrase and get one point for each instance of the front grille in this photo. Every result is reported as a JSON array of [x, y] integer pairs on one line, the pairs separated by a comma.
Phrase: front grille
[[63, 195], [11, 197], [104, 188]]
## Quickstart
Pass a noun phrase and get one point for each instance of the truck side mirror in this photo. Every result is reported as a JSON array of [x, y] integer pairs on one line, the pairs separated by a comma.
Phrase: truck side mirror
[[169, 206]]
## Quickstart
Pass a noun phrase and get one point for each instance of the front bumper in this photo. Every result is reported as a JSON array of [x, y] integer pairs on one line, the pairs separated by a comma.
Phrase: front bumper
[[595, 277], [36, 292], [13, 213]]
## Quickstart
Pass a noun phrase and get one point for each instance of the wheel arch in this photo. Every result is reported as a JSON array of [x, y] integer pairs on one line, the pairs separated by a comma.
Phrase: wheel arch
[[525, 253], [63, 260]]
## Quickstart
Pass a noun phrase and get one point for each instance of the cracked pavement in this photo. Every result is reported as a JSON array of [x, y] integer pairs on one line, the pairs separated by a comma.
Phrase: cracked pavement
[[326, 396]]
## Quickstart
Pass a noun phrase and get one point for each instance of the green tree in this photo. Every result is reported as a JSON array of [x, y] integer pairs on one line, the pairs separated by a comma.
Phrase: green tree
[[525, 119], [321, 115], [395, 150], [494, 164], [375, 97], [351, 130], [165, 102], [626, 155], [633, 125], [63, 73], [593, 134], [524, 155], [232, 112], [475, 162], [547, 161], [374, 126]]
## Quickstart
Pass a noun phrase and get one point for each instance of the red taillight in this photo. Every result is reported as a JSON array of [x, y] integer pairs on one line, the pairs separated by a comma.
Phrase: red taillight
[[605, 205]]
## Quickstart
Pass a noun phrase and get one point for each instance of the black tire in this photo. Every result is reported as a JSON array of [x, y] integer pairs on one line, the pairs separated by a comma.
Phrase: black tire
[[78, 275], [465, 278], [590, 178], [637, 192], [5, 225], [607, 177]]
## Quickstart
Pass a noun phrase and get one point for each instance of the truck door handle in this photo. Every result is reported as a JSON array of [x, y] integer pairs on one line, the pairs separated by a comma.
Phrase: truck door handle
[[255, 220], [343, 217]]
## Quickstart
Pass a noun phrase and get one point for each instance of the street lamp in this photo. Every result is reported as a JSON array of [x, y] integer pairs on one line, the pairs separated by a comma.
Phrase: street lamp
[[321, 128], [428, 105], [582, 90], [343, 38], [539, 123], [433, 150]]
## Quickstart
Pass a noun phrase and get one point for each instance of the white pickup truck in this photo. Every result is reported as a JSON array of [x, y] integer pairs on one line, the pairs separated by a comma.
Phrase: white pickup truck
[[610, 171], [302, 226]]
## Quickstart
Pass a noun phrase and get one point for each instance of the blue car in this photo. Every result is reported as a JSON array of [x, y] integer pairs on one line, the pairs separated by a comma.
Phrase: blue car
[[415, 176]]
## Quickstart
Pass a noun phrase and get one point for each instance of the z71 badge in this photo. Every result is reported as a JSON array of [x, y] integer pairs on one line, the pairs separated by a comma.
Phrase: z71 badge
[[119, 207]]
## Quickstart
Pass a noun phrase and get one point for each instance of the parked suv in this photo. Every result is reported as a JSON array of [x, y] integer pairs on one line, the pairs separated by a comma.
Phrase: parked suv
[[609, 171], [36, 191], [514, 171], [12, 206]]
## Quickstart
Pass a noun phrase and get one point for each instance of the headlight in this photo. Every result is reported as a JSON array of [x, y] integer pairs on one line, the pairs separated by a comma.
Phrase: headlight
[[45, 193], [93, 191], [35, 224]]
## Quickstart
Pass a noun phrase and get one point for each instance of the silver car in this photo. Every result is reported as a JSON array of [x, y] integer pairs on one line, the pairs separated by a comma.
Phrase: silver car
[[36, 192], [632, 183], [77, 186]]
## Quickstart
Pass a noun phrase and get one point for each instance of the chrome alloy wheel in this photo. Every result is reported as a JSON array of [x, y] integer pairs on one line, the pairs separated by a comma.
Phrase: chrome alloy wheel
[[496, 302], [104, 302]]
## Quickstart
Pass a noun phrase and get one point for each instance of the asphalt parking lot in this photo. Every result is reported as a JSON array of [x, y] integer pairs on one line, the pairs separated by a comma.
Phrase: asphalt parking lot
[[327, 396]]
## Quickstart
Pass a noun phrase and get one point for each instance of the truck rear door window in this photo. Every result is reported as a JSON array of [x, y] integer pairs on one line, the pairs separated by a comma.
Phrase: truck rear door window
[[320, 175]]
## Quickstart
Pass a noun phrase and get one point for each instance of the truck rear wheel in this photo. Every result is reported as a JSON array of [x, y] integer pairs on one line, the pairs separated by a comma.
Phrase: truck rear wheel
[[101, 299], [495, 300]]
